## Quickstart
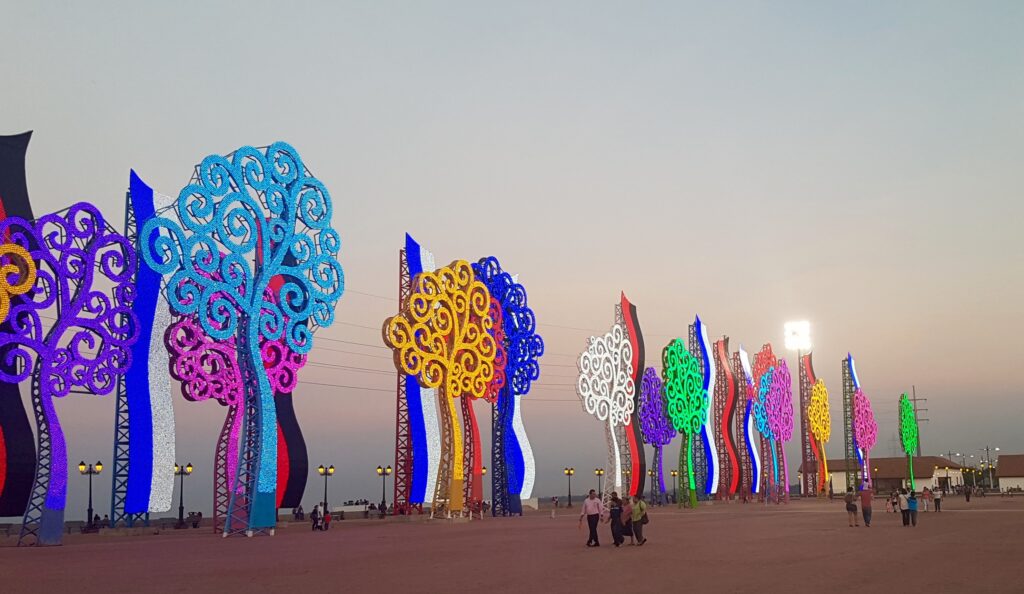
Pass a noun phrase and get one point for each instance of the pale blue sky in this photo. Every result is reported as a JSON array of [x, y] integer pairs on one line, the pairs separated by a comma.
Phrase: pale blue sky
[[855, 164]]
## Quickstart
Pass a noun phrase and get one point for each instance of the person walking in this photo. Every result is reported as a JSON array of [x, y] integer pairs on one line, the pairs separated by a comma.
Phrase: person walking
[[314, 516], [866, 495], [615, 519], [851, 507], [912, 506], [926, 497], [627, 520], [327, 517], [592, 508], [967, 494], [938, 501], [904, 507], [639, 515]]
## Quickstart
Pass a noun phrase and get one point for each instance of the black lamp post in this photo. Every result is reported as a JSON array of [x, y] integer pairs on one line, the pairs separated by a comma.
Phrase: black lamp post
[[650, 474], [599, 473], [90, 470], [383, 473], [568, 475], [675, 485], [326, 473], [182, 471]]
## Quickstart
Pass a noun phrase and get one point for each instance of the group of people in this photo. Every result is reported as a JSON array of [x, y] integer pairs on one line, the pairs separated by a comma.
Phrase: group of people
[[626, 517], [320, 518], [904, 501]]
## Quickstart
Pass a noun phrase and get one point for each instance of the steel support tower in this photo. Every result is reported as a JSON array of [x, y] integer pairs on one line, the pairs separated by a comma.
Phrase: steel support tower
[[500, 499], [222, 479], [850, 449], [119, 470], [742, 396], [724, 409], [403, 437], [808, 449], [700, 461]]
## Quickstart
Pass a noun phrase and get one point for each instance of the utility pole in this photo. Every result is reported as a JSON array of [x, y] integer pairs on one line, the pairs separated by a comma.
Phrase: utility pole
[[915, 400]]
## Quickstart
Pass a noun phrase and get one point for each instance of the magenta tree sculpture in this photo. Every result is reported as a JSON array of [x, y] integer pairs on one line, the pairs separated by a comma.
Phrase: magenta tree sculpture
[[865, 429], [655, 425], [71, 333]]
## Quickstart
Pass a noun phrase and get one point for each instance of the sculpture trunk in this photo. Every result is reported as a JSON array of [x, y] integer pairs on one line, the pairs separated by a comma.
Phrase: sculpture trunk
[[51, 522], [263, 513], [824, 465], [613, 466], [910, 471], [457, 472], [689, 470]]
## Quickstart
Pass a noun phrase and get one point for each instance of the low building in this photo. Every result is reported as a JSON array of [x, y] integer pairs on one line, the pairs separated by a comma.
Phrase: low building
[[934, 472], [1010, 469]]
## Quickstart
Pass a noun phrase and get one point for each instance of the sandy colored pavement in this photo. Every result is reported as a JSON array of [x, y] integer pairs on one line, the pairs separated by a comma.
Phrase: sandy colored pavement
[[805, 546]]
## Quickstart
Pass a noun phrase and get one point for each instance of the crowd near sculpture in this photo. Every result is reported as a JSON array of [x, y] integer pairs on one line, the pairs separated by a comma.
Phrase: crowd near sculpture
[[687, 403], [443, 338], [605, 387], [821, 428], [252, 221]]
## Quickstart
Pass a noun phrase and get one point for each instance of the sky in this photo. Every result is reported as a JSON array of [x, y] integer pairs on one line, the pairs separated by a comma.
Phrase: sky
[[855, 165]]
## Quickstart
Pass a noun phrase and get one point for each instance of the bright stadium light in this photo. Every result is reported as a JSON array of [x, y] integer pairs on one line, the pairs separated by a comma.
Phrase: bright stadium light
[[798, 336]]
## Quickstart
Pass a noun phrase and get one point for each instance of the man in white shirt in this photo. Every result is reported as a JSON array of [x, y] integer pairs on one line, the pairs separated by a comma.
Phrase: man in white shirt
[[592, 509]]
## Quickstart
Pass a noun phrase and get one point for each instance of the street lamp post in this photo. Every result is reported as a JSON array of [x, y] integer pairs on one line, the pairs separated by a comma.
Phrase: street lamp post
[[675, 485], [568, 472], [650, 475], [599, 473], [383, 473], [326, 472], [988, 455], [182, 471], [90, 470]]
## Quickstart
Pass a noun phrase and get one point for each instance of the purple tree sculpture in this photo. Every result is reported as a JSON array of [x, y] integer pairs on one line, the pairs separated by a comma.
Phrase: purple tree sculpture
[[70, 333], [780, 414], [865, 428], [654, 423]]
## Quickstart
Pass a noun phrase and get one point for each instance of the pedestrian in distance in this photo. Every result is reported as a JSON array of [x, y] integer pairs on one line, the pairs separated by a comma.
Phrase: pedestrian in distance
[[851, 507], [866, 495], [904, 507], [938, 501], [314, 517], [327, 517], [967, 494], [926, 497], [592, 509], [615, 519], [894, 500], [639, 515], [912, 506]]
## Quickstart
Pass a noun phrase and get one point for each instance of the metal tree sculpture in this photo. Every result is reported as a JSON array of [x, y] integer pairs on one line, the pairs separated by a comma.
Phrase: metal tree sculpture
[[83, 350], [865, 428], [821, 426], [443, 337], [250, 220], [780, 414], [762, 417], [605, 388], [686, 401], [654, 422], [511, 454], [908, 434]]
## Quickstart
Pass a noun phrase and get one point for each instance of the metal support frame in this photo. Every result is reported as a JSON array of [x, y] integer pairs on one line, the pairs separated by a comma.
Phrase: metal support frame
[[700, 461], [723, 412], [850, 448], [221, 479], [242, 492], [808, 460], [119, 470], [441, 507], [500, 501], [29, 535], [403, 439], [742, 395], [473, 505]]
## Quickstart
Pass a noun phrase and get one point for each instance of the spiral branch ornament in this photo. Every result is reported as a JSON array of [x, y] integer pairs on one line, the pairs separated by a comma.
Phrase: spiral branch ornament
[[17, 275]]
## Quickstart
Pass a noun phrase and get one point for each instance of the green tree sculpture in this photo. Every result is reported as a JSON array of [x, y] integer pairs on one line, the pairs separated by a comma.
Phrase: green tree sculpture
[[687, 401], [908, 434]]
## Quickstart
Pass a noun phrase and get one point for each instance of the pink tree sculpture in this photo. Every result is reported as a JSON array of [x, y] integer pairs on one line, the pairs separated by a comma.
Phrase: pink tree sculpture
[[779, 405], [865, 429]]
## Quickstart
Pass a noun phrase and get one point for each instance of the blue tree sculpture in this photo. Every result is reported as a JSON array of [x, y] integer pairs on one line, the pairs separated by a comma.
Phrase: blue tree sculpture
[[251, 223]]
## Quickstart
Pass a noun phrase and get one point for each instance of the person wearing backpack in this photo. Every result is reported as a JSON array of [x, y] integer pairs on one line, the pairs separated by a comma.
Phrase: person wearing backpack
[[851, 507], [639, 519]]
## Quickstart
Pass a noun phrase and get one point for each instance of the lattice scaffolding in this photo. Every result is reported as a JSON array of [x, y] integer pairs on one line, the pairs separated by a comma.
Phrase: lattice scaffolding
[[403, 436], [723, 410], [700, 461], [739, 418], [850, 446], [808, 459]]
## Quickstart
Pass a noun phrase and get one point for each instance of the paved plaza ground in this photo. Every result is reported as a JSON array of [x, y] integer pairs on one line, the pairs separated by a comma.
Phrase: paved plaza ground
[[805, 546]]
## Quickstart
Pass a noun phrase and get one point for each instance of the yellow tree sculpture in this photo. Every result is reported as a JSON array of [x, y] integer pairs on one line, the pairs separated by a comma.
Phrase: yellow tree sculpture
[[443, 338], [821, 426]]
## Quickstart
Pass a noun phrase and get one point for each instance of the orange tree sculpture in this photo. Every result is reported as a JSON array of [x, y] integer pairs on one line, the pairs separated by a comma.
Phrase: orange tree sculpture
[[443, 338]]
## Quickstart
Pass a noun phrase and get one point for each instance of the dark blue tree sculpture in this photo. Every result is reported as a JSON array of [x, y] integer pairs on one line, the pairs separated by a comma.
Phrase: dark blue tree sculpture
[[250, 221], [511, 455], [85, 347]]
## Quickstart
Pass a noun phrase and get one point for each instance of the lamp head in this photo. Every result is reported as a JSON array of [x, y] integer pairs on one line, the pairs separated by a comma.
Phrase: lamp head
[[188, 468], [82, 467], [98, 466], [380, 470], [330, 470], [321, 469]]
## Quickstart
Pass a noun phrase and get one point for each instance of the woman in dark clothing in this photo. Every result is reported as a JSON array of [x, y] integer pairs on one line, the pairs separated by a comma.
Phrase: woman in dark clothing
[[615, 518]]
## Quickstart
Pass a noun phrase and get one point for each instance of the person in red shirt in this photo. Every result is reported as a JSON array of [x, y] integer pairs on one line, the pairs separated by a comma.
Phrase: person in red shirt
[[865, 503]]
